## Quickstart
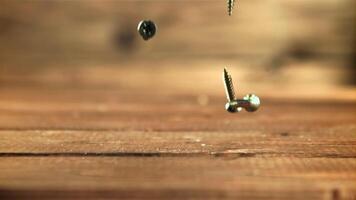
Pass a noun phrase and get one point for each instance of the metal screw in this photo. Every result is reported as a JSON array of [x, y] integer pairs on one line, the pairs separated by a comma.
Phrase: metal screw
[[147, 29], [230, 6], [250, 102]]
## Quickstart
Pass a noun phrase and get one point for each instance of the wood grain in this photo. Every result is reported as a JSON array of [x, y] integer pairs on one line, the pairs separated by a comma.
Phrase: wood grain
[[129, 143], [90, 111], [178, 177], [84, 143]]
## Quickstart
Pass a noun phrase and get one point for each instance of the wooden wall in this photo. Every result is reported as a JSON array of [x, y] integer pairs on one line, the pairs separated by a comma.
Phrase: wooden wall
[[104, 30], [297, 42]]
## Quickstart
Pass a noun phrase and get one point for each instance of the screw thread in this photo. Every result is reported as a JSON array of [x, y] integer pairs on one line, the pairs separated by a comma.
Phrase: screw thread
[[230, 6], [229, 86]]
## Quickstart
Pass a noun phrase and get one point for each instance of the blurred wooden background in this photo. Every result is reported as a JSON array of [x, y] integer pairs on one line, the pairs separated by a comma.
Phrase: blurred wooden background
[[306, 46], [194, 30]]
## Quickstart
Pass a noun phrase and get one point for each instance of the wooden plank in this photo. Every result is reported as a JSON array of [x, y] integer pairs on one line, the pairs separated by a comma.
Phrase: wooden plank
[[176, 153], [333, 142], [122, 111], [290, 149], [157, 177]]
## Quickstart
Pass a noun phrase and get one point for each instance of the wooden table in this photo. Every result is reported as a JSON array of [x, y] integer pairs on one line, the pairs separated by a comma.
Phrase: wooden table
[[61, 142]]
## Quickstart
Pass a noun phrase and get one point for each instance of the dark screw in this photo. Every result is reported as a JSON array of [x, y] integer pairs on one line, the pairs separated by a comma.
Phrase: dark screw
[[147, 29]]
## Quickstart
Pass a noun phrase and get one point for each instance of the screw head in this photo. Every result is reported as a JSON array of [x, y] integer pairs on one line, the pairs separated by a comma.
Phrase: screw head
[[254, 102], [147, 29]]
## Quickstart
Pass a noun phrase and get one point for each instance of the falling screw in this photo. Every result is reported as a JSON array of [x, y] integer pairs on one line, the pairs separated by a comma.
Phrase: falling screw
[[147, 29], [230, 6], [250, 102]]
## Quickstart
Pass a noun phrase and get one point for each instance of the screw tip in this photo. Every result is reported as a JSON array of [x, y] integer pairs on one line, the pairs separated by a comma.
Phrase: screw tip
[[225, 74], [225, 70]]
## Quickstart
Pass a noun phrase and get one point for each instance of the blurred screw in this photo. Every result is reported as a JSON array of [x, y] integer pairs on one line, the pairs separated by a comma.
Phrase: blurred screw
[[147, 29], [230, 6], [250, 102]]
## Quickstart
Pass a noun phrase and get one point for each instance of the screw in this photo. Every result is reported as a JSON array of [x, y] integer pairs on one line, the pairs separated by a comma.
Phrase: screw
[[250, 102], [230, 6], [147, 29]]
